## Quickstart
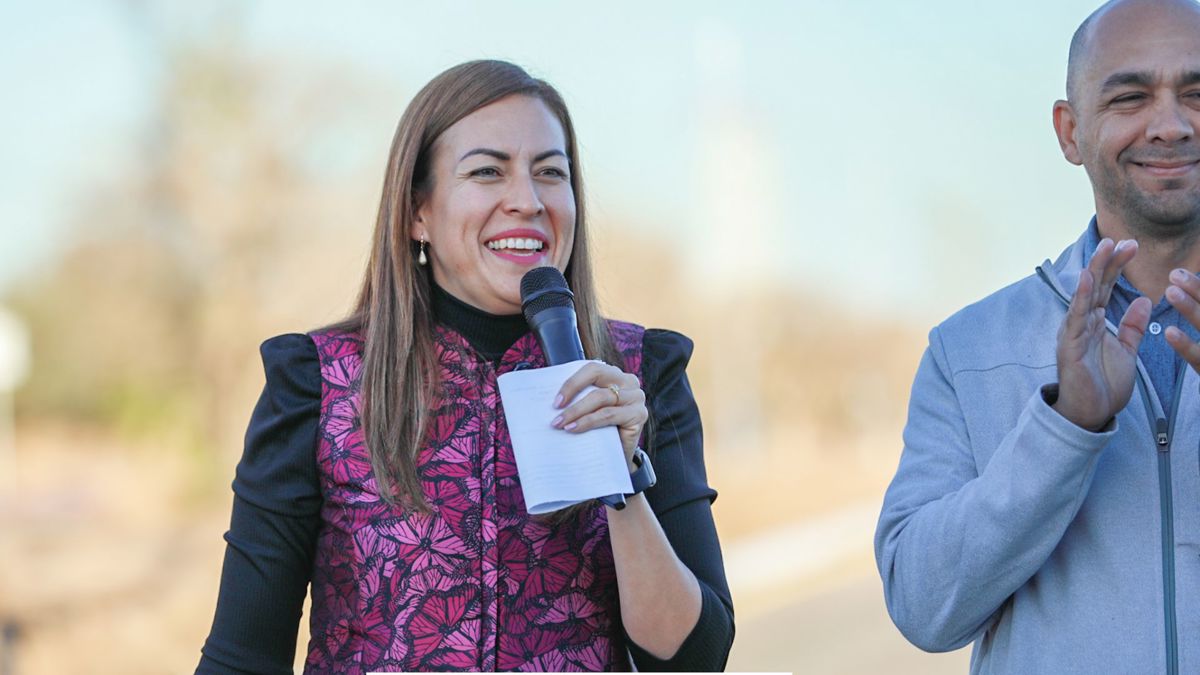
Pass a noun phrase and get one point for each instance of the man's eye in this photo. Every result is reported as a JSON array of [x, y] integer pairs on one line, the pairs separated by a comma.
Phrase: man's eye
[[1127, 99]]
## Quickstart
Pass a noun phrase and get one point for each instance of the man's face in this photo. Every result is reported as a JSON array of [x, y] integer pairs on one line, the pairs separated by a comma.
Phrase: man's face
[[1134, 121]]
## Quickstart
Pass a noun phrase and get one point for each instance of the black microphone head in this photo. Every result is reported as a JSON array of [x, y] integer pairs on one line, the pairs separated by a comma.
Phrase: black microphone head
[[543, 288]]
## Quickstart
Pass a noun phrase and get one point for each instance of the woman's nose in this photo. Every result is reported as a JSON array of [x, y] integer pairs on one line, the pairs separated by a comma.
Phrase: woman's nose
[[522, 197]]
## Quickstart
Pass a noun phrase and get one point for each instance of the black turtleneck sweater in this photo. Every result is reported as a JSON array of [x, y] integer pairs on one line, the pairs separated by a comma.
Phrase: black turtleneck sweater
[[277, 500], [490, 335]]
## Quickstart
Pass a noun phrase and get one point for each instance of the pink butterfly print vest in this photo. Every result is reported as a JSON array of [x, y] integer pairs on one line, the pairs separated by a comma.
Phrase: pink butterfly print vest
[[477, 584]]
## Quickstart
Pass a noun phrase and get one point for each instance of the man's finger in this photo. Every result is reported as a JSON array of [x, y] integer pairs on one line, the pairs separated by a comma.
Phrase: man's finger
[[1133, 324], [1097, 266], [1100, 256], [1123, 252], [1184, 346], [1183, 301], [1076, 322], [1186, 281], [1184, 295]]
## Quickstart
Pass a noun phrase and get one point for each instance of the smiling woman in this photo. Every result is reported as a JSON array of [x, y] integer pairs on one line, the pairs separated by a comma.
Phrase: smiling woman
[[378, 464]]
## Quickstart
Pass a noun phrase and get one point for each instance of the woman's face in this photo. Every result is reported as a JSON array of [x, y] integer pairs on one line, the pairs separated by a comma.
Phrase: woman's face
[[501, 203]]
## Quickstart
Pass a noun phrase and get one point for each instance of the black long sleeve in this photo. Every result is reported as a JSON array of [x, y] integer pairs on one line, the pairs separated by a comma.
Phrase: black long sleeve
[[682, 501], [276, 517]]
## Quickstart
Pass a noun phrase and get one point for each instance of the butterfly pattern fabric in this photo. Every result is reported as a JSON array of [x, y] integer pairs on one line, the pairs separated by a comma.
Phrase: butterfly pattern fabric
[[477, 583]]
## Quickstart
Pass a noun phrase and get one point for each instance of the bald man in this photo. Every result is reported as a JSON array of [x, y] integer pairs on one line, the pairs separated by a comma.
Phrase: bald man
[[1047, 502]]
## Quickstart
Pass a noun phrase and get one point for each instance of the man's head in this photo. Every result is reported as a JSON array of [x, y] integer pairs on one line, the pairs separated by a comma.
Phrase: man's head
[[1132, 115]]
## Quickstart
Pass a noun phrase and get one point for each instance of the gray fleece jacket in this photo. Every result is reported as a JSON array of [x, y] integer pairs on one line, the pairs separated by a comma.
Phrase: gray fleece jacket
[[1053, 549]]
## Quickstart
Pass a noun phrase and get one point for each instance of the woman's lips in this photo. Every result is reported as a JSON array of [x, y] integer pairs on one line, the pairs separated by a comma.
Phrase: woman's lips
[[524, 258], [525, 247]]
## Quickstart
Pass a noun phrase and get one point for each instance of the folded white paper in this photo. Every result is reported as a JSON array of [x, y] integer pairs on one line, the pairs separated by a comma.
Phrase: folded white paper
[[558, 468]]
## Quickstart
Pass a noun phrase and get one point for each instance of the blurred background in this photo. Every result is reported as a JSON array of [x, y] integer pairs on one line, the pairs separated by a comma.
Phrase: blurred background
[[804, 187]]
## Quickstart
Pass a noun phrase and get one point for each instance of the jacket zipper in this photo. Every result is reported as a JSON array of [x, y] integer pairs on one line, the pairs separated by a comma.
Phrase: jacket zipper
[[1164, 434], [1164, 430]]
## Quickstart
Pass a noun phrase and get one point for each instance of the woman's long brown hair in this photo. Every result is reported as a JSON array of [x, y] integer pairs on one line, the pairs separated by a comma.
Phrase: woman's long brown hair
[[393, 311]]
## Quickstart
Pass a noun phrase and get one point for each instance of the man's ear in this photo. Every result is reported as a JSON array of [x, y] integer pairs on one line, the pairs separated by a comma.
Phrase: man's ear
[[1064, 127]]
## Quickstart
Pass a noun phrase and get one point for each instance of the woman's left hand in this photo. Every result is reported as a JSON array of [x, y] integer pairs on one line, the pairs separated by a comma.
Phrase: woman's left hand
[[618, 400]]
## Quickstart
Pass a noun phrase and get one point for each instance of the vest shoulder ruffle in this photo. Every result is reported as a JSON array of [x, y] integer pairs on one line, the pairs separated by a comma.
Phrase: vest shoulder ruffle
[[290, 365], [624, 331]]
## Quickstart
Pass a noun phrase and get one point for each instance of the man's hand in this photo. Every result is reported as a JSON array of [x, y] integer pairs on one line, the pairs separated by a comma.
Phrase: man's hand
[[1096, 369], [1184, 295]]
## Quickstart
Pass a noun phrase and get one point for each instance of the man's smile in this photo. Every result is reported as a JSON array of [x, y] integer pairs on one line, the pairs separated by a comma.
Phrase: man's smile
[[1168, 168]]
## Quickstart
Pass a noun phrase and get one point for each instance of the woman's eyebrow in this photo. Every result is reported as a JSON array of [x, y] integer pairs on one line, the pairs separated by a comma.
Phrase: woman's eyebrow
[[551, 153], [502, 156]]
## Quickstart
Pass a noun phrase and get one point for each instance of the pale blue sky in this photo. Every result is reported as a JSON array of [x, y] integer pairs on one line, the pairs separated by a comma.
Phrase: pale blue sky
[[896, 152]]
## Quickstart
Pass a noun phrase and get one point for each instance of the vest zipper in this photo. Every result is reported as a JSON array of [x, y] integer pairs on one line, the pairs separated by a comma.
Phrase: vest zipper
[[1164, 430]]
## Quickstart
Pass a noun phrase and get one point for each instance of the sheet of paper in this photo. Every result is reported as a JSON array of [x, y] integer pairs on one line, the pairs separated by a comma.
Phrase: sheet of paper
[[558, 468]]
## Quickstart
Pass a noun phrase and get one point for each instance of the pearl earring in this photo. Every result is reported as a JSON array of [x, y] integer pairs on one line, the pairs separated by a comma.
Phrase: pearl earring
[[421, 259]]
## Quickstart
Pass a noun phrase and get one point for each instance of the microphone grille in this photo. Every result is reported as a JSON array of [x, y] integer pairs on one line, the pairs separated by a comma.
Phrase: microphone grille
[[543, 288]]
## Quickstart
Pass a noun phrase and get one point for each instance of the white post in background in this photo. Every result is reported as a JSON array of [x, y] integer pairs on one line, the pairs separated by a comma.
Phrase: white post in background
[[734, 220], [14, 367]]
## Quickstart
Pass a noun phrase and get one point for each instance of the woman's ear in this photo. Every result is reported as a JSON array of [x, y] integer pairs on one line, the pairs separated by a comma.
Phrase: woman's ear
[[420, 229]]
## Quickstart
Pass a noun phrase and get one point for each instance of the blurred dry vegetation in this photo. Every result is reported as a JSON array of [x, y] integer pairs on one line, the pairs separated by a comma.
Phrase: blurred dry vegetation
[[243, 213]]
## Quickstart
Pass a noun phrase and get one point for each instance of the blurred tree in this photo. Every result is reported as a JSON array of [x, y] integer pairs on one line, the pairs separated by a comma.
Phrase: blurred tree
[[193, 248]]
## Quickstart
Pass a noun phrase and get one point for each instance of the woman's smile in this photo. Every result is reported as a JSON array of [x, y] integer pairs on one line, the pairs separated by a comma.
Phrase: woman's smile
[[522, 246]]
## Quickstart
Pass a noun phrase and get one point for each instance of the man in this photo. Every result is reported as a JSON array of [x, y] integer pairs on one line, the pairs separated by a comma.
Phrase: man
[[1047, 502]]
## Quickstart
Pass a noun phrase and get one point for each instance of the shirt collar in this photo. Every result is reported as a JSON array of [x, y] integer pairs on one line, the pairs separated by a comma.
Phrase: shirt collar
[[1091, 241]]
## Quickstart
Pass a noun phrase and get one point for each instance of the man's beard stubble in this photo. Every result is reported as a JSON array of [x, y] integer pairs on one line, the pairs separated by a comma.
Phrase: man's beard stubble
[[1170, 216]]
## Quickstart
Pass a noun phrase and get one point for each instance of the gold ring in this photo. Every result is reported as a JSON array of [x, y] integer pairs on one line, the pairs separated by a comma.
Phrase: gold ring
[[616, 390]]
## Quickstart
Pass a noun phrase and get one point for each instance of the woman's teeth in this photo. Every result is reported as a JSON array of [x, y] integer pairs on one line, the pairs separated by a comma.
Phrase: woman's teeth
[[515, 244]]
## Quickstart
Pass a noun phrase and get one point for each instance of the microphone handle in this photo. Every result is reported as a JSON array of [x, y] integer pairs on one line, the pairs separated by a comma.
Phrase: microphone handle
[[558, 333]]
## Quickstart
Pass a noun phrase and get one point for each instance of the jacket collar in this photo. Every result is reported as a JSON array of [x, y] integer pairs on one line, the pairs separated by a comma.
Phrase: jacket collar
[[1063, 274]]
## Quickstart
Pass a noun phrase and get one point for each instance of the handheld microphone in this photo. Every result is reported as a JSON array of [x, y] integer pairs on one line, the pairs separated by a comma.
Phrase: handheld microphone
[[549, 307]]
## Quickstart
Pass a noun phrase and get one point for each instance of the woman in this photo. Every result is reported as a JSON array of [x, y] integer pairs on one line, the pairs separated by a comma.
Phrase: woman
[[378, 468]]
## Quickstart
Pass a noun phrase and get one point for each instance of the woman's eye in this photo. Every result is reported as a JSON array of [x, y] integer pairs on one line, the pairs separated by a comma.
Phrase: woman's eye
[[553, 172], [486, 172]]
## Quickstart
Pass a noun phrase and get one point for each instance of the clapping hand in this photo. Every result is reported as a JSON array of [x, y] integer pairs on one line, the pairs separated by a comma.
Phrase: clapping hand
[[1184, 295], [1096, 369]]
